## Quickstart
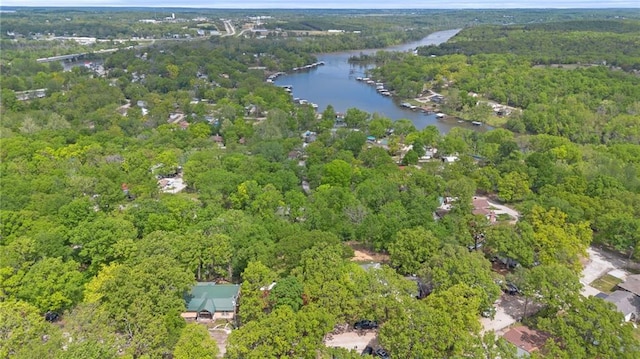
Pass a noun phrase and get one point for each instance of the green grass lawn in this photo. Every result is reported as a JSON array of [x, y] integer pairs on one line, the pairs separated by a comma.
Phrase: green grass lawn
[[497, 121], [606, 284]]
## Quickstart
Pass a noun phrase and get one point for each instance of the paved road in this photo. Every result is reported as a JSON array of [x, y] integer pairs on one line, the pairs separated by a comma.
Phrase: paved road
[[228, 28]]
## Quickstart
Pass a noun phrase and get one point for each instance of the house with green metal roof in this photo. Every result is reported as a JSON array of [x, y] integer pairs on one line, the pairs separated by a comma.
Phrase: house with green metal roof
[[209, 301]]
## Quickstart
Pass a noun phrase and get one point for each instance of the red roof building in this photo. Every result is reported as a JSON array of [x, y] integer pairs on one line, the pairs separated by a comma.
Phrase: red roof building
[[526, 339]]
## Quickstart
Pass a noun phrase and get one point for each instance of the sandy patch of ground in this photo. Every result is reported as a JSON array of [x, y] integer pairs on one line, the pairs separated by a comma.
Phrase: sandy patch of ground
[[424, 99], [500, 321], [363, 254], [359, 256], [351, 340]]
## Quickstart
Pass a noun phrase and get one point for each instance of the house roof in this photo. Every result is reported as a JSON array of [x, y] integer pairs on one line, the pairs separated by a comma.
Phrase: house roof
[[632, 284], [481, 207], [627, 303], [525, 338], [212, 297]]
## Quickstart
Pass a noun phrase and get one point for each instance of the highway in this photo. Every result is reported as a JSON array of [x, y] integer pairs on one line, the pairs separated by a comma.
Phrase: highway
[[228, 27], [78, 55]]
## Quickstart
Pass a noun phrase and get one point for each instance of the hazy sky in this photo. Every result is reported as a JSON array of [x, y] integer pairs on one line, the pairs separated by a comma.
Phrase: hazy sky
[[336, 4]]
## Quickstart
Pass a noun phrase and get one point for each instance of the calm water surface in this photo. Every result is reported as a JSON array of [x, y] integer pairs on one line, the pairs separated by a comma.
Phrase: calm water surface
[[335, 84]]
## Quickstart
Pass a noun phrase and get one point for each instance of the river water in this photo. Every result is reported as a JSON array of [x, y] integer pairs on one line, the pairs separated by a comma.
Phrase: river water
[[335, 84]]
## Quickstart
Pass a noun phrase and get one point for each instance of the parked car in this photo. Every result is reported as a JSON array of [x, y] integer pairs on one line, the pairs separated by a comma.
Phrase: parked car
[[489, 312], [381, 353], [368, 350], [511, 289], [51, 316], [365, 324]]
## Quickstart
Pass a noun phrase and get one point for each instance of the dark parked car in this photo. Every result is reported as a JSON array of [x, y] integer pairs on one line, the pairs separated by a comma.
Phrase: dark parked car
[[511, 289], [365, 324], [51, 316], [367, 350], [381, 353]]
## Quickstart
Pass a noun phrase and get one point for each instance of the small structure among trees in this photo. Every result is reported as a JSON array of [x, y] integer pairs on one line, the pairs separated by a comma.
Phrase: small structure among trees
[[210, 301]]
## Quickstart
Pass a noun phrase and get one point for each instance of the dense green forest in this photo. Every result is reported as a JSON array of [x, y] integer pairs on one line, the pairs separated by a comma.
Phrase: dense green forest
[[613, 42], [87, 233], [589, 103]]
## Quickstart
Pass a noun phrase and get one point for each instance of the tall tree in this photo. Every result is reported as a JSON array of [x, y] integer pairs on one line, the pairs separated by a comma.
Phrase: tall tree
[[145, 301], [590, 328], [195, 343], [456, 265], [24, 333], [52, 285], [412, 248], [282, 334], [255, 279]]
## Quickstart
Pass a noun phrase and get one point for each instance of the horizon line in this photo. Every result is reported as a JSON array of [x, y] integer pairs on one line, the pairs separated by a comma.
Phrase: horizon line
[[308, 8]]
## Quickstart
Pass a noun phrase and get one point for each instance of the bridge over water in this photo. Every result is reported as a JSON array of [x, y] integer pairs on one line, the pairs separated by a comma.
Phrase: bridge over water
[[74, 57]]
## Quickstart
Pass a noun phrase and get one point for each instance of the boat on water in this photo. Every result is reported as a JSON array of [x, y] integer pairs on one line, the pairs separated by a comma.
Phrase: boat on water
[[476, 123], [440, 115]]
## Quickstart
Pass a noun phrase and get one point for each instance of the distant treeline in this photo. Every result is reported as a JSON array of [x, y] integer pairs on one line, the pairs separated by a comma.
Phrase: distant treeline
[[611, 42]]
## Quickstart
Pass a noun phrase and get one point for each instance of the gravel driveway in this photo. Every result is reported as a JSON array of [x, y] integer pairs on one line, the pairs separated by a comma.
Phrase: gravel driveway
[[351, 340]]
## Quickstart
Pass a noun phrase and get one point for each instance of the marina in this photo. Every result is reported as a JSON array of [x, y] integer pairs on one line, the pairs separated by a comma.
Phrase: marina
[[343, 86]]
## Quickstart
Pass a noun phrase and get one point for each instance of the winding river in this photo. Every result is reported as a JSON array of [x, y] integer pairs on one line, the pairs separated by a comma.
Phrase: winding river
[[335, 84]]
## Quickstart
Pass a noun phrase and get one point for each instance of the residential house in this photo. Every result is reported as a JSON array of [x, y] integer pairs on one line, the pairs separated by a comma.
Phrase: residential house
[[175, 117], [183, 125], [631, 284], [627, 303], [210, 301], [449, 159], [627, 297], [482, 207], [526, 340], [217, 139], [309, 136]]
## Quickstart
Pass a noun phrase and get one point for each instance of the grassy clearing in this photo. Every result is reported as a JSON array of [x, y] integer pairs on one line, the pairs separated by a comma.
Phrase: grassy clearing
[[606, 284], [497, 121]]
